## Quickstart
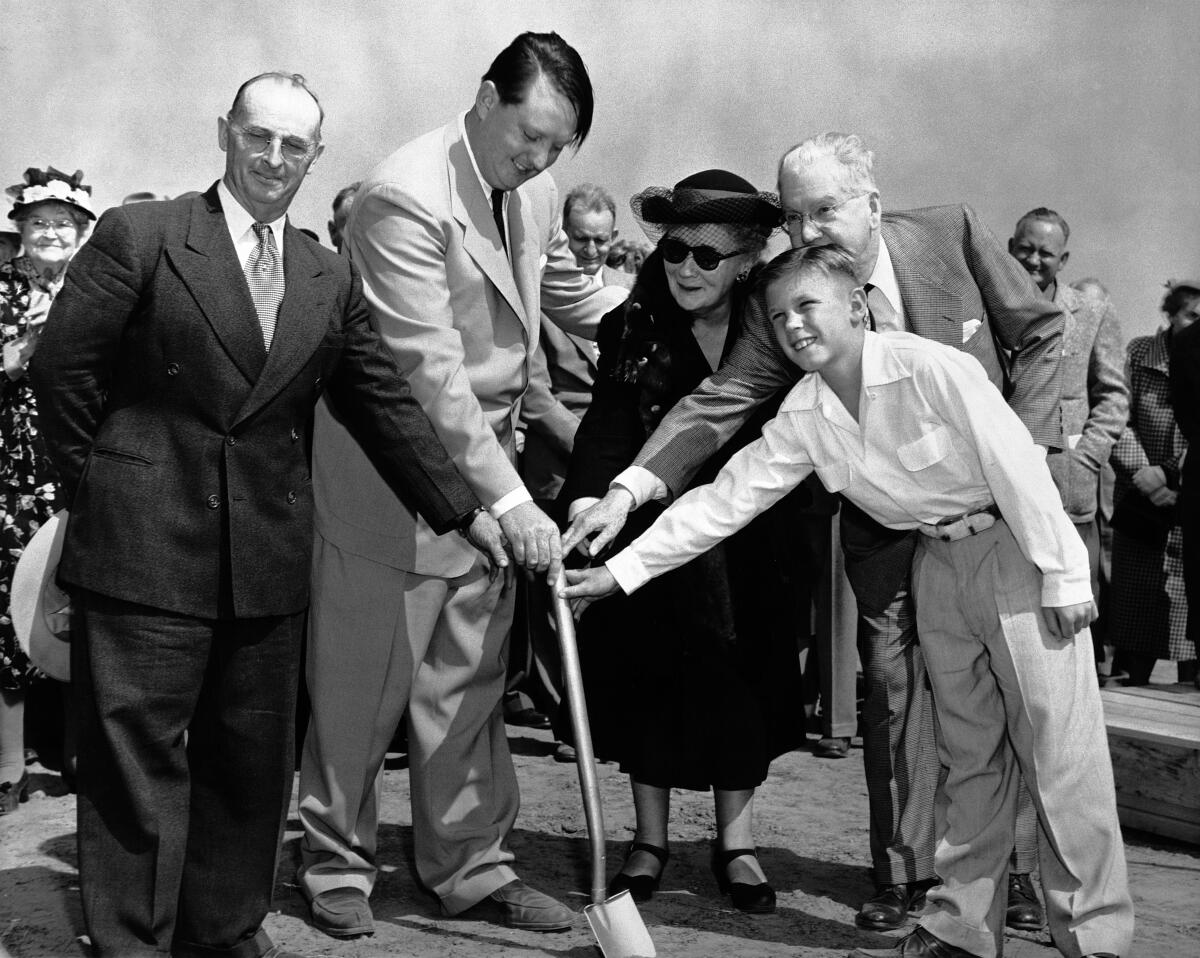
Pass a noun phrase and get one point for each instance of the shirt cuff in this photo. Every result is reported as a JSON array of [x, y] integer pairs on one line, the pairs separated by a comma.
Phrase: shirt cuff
[[628, 570], [1067, 588], [509, 501], [642, 484]]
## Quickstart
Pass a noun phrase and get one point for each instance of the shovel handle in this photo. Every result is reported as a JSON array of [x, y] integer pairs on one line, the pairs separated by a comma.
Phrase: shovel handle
[[584, 757]]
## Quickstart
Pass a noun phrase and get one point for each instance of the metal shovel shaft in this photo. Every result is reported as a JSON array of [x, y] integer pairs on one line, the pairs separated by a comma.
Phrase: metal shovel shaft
[[588, 785]]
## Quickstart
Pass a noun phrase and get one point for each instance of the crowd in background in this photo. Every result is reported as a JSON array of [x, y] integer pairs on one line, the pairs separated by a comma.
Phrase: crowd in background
[[700, 680]]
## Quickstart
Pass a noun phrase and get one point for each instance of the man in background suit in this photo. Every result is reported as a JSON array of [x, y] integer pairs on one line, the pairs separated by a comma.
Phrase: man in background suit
[[458, 235], [1095, 405], [1185, 400], [176, 381], [937, 272]]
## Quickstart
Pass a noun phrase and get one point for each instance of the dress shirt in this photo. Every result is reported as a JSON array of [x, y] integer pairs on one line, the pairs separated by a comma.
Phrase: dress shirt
[[240, 224], [883, 278], [484, 184], [934, 440]]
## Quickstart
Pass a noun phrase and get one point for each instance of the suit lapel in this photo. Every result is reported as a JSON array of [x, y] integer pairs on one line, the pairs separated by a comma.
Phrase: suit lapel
[[473, 210], [526, 253], [304, 316], [208, 265], [930, 309]]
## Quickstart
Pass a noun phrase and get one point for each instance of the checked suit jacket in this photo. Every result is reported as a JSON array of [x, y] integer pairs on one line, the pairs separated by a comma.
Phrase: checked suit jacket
[[182, 443], [959, 286]]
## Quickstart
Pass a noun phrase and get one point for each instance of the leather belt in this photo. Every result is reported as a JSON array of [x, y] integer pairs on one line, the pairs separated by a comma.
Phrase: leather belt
[[959, 527]]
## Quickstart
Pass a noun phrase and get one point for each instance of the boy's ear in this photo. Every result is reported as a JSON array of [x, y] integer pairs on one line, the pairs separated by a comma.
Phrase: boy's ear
[[859, 311]]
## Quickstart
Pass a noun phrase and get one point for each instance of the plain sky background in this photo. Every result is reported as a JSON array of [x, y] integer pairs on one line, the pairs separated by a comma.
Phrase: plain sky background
[[1088, 106]]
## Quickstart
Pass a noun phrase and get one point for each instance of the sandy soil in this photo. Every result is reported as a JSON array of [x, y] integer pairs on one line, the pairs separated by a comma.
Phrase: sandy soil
[[811, 832]]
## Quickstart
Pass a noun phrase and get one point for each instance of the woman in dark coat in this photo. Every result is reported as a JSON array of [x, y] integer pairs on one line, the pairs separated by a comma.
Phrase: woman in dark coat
[[692, 682]]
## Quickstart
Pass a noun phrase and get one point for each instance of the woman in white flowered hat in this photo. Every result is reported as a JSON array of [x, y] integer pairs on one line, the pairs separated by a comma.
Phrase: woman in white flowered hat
[[52, 212]]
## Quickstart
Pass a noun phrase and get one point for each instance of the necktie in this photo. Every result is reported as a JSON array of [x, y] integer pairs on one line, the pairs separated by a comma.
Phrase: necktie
[[498, 216], [882, 313], [264, 275]]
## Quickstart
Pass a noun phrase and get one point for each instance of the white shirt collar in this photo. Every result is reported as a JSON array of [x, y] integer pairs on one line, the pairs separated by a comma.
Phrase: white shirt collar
[[240, 225], [883, 277], [880, 365], [487, 190]]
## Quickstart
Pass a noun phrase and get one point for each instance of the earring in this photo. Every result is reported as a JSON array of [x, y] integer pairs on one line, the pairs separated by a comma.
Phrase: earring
[[743, 275]]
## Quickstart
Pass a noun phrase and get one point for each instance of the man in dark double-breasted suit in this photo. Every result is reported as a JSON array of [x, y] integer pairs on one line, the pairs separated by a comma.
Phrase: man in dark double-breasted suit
[[176, 382]]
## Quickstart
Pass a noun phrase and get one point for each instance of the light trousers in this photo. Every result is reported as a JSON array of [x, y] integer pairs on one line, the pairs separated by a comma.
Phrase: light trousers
[[380, 640], [1007, 694]]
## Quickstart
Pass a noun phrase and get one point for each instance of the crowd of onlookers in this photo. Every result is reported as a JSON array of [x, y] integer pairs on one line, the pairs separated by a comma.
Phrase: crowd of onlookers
[[651, 365]]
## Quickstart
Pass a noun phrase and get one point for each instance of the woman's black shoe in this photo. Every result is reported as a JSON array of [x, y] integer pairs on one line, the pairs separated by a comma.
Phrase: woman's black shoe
[[753, 899], [640, 887]]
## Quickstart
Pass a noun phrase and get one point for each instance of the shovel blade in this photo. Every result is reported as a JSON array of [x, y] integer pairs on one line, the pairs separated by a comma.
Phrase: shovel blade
[[619, 928]]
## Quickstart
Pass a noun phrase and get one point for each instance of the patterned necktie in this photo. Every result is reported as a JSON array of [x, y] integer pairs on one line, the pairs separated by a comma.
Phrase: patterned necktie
[[882, 313], [264, 275], [498, 215]]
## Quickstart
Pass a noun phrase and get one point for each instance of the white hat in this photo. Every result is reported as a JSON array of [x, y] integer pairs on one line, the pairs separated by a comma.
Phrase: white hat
[[40, 609]]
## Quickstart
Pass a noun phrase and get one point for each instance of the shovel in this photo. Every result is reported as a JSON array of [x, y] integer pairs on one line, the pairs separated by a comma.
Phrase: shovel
[[615, 922]]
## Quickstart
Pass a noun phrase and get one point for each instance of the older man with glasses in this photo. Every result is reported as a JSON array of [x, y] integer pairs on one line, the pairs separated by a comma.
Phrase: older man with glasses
[[940, 273]]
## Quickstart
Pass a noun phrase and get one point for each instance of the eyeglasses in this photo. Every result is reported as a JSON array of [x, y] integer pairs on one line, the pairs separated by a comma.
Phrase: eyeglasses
[[823, 215], [39, 225], [707, 258], [259, 140]]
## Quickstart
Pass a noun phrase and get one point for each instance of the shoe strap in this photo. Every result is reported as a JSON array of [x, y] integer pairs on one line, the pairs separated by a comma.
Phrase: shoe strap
[[726, 855], [662, 854]]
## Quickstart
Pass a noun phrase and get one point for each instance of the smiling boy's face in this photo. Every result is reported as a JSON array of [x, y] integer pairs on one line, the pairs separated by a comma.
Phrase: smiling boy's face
[[818, 317]]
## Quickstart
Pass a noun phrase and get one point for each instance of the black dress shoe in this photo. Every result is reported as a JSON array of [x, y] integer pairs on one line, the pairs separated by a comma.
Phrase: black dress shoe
[[640, 887], [752, 899], [832, 747], [1024, 910], [920, 944], [892, 904]]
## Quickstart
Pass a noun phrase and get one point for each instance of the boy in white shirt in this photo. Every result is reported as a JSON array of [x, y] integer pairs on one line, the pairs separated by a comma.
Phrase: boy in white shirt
[[913, 433]]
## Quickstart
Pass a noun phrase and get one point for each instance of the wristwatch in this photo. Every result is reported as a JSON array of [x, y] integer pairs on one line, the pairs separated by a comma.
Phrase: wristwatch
[[465, 523]]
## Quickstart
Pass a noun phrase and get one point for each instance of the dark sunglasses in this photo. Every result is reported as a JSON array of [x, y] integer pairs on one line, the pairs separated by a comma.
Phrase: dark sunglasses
[[707, 258]]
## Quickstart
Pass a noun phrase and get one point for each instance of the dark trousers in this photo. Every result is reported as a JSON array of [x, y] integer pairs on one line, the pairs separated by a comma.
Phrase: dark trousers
[[899, 745], [185, 773]]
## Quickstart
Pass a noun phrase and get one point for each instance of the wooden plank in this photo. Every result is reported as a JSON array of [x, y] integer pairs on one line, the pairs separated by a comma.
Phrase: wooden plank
[[1157, 787], [1174, 693], [1161, 721], [1155, 825]]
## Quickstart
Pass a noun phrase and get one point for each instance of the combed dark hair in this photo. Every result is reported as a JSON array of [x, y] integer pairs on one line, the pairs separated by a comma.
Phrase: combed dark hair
[[1050, 216], [295, 79], [829, 260], [544, 54]]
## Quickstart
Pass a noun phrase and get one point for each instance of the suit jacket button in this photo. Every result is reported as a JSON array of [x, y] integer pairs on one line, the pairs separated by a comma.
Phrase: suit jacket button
[[295, 435], [291, 497], [317, 383], [214, 502], [172, 369], [231, 440]]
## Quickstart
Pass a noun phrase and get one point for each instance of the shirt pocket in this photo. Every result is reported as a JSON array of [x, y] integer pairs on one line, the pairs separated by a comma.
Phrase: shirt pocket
[[834, 476], [927, 451]]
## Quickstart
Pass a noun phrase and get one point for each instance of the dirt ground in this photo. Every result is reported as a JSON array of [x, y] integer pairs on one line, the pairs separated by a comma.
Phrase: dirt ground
[[811, 831]]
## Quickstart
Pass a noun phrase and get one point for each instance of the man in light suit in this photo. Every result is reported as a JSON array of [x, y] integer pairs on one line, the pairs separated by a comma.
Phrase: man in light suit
[[176, 380], [937, 272], [458, 235]]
